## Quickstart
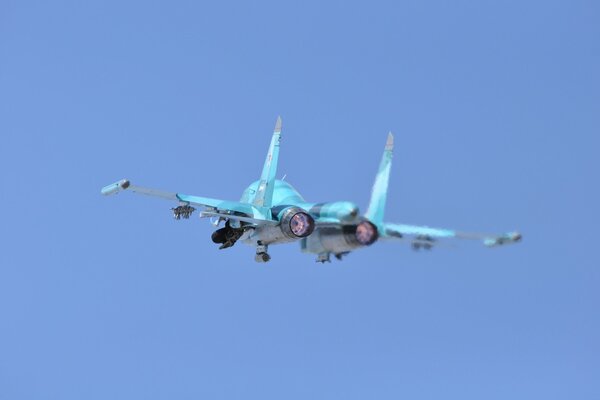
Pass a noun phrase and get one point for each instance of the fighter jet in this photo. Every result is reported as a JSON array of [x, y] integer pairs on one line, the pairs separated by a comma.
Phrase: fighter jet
[[271, 211]]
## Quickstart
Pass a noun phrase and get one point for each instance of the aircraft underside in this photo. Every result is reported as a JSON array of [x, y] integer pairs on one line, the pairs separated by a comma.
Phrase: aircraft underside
[[323, 241]]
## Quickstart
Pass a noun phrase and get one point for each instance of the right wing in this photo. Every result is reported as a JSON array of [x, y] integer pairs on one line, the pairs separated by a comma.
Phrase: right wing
[[424, 235], [214, 207]]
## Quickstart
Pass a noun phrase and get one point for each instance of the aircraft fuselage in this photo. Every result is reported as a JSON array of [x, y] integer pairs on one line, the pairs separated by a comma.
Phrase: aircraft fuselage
[[336, 232]]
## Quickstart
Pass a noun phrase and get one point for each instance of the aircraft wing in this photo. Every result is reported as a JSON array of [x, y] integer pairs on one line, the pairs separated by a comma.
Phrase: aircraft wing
[[215, 207], [426, 236]]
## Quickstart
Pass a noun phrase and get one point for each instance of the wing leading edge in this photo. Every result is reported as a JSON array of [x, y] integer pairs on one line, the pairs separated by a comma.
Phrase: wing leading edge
[[215, 207], [426, 235]]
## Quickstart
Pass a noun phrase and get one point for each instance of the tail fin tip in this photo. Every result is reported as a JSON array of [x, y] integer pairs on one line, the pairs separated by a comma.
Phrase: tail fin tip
[[278, 124], [389, 144]]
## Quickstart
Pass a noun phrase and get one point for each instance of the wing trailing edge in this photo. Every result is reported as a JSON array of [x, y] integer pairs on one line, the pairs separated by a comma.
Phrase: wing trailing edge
[[224, 208], [425, 234]]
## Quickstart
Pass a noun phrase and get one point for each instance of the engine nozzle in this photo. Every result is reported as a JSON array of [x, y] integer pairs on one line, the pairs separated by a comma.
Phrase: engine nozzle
[[296, 223], [366, 233]]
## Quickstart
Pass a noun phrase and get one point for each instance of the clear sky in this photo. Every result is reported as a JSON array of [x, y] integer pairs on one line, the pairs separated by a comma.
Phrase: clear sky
[[495, 108]]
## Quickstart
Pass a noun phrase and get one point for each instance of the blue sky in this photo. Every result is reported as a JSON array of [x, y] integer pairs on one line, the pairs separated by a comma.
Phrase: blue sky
[[495, 108]]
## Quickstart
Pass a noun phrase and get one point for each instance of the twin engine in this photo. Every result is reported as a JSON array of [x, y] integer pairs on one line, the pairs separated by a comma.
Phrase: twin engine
[[296, 223], [341, 239], [350, 236], [363, 234]]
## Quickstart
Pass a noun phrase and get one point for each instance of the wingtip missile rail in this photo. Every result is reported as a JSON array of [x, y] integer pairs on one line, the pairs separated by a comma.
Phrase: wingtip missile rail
[[509, 238], [115, 187]]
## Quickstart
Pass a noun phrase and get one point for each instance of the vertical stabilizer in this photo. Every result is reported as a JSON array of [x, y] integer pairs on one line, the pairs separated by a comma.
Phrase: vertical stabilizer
[[376, 208], [264, 194]]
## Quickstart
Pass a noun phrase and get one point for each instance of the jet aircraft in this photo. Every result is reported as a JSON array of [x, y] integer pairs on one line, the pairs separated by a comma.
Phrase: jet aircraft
[[271, 211]]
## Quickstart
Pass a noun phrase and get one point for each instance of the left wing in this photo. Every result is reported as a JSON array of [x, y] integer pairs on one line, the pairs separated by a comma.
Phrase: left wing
[[426, 236], [215, 207]]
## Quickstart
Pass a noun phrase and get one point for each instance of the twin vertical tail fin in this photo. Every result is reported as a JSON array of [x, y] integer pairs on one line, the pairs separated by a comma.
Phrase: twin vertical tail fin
[[264, 193], [376, 210]]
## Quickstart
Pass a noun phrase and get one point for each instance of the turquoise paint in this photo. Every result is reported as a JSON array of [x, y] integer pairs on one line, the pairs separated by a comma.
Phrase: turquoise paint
[[264, 192], [412, 230], [284, 194], [110, 189], [268, 197], [376, 209]]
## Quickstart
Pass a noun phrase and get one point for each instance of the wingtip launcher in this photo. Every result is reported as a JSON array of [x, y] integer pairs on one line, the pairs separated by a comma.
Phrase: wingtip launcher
[[509, 238], [115, 187]]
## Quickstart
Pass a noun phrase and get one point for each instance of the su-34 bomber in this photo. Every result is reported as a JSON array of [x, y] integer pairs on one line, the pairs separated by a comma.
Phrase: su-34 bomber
[[271, 211]]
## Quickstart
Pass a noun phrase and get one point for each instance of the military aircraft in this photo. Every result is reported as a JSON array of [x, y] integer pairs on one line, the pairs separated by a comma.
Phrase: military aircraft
[[271, 211]]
